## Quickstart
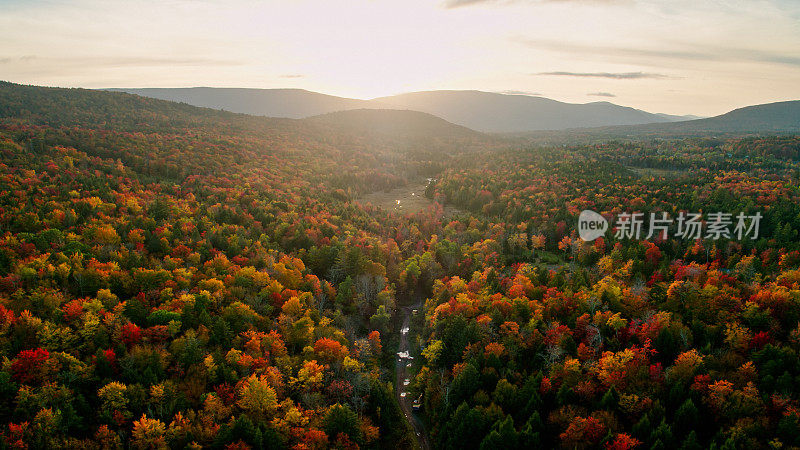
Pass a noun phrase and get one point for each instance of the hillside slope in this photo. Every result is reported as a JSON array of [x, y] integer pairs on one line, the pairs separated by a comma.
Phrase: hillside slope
[[482, 111], [217, 252], [502, 113], [291, 103], [769, 117], [388, 122], [395, 130], [766, 119]]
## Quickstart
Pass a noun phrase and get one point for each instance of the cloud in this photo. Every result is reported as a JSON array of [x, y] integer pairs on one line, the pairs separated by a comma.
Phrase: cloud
[[513, 92], [114, 61], [450, 4], [682, 52], [15, 59], [601, 94], [66, 69], [611, 75]]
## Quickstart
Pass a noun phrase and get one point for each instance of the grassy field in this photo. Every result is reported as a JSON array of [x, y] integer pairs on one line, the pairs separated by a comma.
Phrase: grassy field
[[658, 173], [409, 199]]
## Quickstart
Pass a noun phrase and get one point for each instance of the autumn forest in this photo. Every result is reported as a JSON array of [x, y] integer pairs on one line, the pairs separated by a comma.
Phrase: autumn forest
[[182, 277]]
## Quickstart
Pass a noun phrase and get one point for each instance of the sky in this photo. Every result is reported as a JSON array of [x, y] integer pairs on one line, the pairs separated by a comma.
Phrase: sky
[[702, 57]]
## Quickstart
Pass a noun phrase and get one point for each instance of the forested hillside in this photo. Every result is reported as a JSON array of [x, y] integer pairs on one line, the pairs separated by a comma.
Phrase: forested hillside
[[620, 343], [776, 119], [292, 103], [483, 111], [175, 277], [172, 275]]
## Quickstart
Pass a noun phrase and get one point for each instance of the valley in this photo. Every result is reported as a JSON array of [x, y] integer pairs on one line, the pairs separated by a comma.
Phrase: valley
[[173, 276], [409, 199]]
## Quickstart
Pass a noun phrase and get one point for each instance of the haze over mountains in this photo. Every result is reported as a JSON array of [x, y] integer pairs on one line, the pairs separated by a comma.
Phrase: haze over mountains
[[398, 129], [507, 113], [481, 111], [289, 103], [778, 117], [767, 119], [377, 119], [392, 122]]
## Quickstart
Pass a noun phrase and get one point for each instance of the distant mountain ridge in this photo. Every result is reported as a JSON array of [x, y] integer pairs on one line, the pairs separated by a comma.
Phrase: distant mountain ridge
[[766, 119], [395, 130], [286, 103], [478, 110], [507, 113], [392, 122], [778, 117]]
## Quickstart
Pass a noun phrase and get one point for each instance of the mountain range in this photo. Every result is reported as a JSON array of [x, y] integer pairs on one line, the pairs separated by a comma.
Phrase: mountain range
[[377, 119], [778, 117], [393, 122], [506, 113], [478, 110], [766, 119], [403, 130], [288, 103]]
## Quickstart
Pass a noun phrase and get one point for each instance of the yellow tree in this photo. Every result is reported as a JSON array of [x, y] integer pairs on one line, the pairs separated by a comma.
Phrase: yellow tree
[[257, 398], [148, 434]]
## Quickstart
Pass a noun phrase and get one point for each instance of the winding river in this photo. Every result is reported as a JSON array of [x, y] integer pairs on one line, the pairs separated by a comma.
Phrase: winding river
[[402, 366]]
